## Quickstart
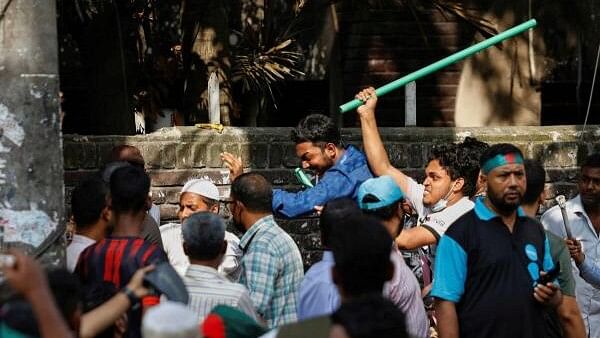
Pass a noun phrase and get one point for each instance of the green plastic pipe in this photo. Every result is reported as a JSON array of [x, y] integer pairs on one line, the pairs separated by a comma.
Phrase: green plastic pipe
[[507, 34]]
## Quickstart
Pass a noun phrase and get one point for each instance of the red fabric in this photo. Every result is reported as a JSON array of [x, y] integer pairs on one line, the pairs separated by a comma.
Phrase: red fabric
[[213, 327], [118, 259], [110, 261]]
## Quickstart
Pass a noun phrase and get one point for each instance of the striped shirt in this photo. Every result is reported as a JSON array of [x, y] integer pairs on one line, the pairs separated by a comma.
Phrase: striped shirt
[[272, 270], [110, 264], [207, 289]]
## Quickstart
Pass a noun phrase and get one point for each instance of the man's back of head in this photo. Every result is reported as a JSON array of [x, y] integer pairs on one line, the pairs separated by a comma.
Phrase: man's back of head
[[536, 178], [88, 201], [369, 317], [129, 187], [254, 191], [127, 153], [204, 237], [361, 248], [335, 212]]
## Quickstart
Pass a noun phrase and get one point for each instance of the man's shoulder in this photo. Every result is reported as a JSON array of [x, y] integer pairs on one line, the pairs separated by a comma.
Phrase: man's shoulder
[[170, 228]]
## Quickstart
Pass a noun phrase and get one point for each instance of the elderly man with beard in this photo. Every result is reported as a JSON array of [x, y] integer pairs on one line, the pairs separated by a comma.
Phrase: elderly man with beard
[[199, 195], [491, 259], [583, 212]]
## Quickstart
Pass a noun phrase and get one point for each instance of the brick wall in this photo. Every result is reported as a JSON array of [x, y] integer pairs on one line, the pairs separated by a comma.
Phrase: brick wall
[[178, 154], [381, 45]]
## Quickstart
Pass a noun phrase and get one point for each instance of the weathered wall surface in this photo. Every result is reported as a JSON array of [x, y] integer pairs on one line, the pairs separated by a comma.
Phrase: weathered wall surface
[[31, 167], [178, 154]]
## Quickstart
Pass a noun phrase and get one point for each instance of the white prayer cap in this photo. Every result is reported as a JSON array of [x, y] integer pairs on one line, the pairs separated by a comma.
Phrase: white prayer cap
[[203, 188], [170, 320]]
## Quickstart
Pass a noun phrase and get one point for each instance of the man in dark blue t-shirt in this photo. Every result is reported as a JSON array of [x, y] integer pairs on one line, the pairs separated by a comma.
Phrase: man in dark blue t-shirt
[[490, 260]]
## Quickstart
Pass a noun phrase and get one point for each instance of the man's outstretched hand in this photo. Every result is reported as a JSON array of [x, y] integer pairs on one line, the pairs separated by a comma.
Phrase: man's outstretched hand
[[234, 164]]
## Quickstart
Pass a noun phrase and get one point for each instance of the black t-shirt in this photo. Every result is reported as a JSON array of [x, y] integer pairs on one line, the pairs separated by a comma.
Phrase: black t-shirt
[[490, 273]]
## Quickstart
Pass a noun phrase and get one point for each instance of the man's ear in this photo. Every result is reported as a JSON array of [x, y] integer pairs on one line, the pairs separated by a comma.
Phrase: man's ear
[[331, 150], [459, 185], [335, 277], [215, 208], [109, 203], [148, 202], [389, 274], [224, 248], [106, 214]]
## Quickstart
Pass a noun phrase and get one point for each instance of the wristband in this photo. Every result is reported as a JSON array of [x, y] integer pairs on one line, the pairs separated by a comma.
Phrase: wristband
[[133, 299]]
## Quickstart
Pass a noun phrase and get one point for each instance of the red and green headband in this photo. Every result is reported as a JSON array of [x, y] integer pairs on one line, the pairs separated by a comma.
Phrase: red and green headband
[[500, 160]]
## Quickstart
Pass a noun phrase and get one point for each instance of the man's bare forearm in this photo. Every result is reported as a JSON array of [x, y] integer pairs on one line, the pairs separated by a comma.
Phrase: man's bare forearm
[[447, 319], [570, 318]]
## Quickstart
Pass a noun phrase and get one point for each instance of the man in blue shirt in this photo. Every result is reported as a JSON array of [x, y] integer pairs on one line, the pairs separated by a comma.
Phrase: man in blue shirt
[[318, 294], [339, 170]]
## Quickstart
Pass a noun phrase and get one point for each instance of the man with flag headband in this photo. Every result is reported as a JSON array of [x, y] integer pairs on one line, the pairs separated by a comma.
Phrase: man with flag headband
[[490, 261]]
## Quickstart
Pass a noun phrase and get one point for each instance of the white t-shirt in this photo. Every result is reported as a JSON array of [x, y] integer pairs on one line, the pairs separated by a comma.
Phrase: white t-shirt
[[173, 245], [77, 245], [436, 222]]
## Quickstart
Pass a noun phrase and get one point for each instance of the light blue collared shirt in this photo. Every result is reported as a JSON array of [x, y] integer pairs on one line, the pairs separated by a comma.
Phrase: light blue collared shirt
[[318, 295]]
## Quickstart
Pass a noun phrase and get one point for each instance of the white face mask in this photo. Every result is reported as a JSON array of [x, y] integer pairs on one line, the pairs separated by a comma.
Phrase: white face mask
[[443, 203]]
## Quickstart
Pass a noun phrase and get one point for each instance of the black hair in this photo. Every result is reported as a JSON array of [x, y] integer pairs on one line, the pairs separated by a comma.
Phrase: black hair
[[88, 200], [254, 191], [129, 187], [383, 213], [592, 161], [469, 153], [318, 129], [499, 149], [361, 249], [536, 177], [203, 235], [67, 292], [459, 162], [334, 212], [371, 317]]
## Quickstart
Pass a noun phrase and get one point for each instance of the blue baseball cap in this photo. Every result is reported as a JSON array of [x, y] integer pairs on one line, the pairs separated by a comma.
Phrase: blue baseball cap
[[384, 188]]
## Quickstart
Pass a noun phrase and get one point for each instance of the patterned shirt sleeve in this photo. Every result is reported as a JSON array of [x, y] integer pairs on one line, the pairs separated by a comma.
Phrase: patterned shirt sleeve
[[245, 305], [260, 268]]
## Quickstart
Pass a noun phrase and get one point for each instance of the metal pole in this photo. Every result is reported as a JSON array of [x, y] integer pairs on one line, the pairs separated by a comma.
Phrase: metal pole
[[443, 63], [410, 105]]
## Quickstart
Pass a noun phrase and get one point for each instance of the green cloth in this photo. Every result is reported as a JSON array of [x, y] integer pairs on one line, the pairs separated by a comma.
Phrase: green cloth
[[8, 332], [560, 253], [226, 321]]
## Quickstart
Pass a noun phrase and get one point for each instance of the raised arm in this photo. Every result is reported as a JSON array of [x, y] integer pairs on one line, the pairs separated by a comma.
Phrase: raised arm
[[376, 155]]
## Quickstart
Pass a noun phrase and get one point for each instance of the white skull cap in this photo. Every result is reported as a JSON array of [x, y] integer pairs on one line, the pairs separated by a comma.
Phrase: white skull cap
[[170, 320], [203, 188]]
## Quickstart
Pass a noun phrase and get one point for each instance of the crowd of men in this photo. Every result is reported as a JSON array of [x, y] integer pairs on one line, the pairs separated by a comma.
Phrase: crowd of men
[[461, 254]]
